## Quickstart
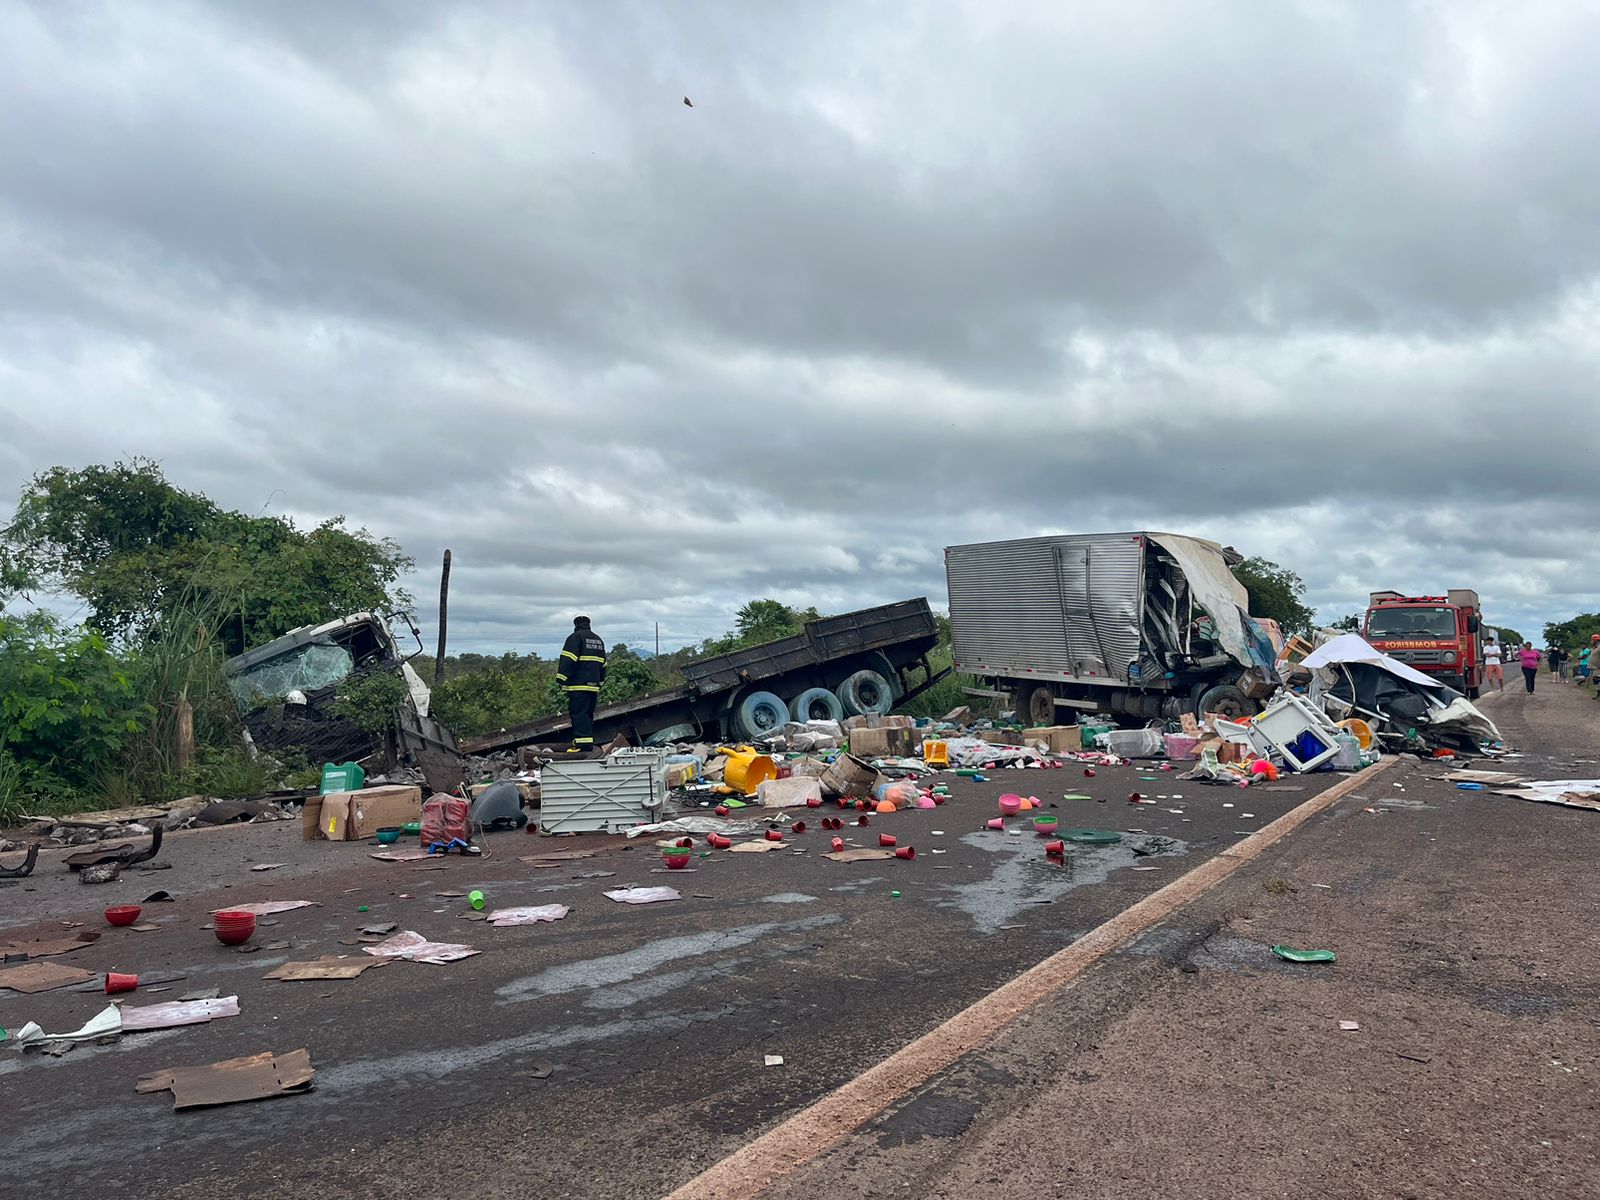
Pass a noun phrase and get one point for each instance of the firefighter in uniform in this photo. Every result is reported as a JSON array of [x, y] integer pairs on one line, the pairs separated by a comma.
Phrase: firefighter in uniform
[[581, 671]]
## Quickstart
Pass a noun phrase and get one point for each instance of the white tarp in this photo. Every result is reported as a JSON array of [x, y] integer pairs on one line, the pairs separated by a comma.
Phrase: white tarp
[[1353, 648], [1220, 594]]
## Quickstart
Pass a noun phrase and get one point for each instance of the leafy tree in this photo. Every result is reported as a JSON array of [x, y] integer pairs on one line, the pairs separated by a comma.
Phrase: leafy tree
[[1508, 636], [69, 707], [1569, 635], [135, 548], [1275, 592]]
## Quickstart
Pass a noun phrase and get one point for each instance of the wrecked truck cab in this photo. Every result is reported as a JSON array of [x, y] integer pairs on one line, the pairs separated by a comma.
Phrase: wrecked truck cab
[[286, 689], [1136, 626]]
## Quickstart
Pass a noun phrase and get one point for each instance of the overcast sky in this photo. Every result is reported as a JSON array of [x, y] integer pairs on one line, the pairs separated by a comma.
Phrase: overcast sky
[[1315, 279]]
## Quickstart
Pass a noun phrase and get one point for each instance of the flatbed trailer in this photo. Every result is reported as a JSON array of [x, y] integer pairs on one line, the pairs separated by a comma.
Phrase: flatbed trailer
[[856, 662]]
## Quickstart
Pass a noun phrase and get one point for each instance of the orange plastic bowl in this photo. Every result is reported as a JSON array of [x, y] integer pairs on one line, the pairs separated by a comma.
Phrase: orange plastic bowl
[[123, 914]]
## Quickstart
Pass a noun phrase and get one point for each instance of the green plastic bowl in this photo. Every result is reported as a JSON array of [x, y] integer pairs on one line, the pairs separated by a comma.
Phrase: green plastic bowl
[[411, 827], [389, 836]]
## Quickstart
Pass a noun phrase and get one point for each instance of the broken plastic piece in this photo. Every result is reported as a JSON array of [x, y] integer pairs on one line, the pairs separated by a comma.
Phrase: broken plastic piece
[[1290, 954]]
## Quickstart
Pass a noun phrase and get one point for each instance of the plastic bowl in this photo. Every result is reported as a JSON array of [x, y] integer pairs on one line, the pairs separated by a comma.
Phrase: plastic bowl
[[123, 914], [233, 928], [389, 835], [676, 862], [1010, 805], [411, 827]]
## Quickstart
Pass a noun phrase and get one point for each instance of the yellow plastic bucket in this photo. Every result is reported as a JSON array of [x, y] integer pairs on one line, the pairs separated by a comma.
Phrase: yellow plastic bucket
[[1358, 729], [747, 768], [936, 754]]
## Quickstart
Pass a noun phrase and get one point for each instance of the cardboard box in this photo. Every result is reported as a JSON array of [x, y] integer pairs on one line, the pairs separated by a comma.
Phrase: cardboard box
[[847, 775], [788, 793], [896, 722], [1058, 739], [681, 774], [1000, 737], [354, 816], [877, 743]]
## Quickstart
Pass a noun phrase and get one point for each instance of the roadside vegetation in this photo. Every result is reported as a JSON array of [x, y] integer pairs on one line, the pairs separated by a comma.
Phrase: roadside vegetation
[[124, 701]]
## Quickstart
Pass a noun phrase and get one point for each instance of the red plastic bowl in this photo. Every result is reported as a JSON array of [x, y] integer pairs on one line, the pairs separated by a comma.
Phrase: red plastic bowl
[[123, 914], [234, 928]]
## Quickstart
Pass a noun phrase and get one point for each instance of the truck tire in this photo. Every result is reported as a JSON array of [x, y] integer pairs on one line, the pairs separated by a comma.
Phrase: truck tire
[[1225, 700], [880, 663], [759, 715], [817, 704], [866, 692], [1035, 705]]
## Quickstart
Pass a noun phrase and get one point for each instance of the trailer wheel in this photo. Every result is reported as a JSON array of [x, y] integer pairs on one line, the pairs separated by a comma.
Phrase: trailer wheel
[[817, 704], [1035, 704], [866, 692], [759, 715], [1225, 700]]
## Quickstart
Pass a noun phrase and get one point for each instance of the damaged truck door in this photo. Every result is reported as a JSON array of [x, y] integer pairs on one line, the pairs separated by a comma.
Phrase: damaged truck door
[[1138, 625]]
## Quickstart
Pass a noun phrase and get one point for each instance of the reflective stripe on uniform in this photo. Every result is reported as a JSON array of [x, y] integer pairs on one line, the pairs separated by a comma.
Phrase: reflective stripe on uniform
[[583, 741], [591, 658], [582, 687], [569, 654]]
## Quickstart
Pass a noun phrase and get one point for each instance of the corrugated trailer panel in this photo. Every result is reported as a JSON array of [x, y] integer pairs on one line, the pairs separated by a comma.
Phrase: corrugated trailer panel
[[1023, 607]]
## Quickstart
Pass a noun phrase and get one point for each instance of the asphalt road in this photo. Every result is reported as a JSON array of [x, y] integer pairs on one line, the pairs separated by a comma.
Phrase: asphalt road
[[653, 1022]]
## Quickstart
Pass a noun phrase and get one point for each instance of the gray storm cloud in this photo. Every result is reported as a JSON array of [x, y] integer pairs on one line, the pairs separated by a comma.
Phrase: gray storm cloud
[[1319, 281]]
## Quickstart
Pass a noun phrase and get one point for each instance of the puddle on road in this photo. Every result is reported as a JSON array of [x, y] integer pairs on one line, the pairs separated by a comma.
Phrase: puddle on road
[[597, 973], [1025, 877]]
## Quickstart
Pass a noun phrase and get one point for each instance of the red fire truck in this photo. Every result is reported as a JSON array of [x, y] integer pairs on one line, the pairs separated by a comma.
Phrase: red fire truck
[[1438, 635]]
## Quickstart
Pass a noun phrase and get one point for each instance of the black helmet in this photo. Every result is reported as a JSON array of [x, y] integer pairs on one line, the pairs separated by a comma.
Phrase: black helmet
[[580, 622]]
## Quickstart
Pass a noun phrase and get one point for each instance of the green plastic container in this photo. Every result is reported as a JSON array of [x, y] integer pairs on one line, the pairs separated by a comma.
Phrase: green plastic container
[[342, 777], [1087, 734]]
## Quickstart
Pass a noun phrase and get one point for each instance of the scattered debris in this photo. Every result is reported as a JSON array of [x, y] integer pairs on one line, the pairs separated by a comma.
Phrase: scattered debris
[[268, 866], [399, 855], [254, 1077], [176, 1013], [639, 895], [25, 867], [1349, 1026], [202, 994], [41, 977], [124, 855], [773, 1060], [326, 967], [100, 873], [380, 930], [1289, 954], [45, 947], [528, 915], [106, 1023], [541, 1070], [416, 948], [267, 907], [859, 854]]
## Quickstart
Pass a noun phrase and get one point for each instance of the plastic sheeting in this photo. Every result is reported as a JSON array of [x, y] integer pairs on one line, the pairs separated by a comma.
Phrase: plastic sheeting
[[1221, 595], [1353, 648]]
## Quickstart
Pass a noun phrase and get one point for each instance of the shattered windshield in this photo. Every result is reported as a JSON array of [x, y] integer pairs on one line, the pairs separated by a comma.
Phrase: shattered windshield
[[1412, 624], [303, 669]]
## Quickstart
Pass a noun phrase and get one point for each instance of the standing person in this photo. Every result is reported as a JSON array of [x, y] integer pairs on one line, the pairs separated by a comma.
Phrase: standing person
[[1529, 658], [1493, 673], [1583, 664], [580, 672], [1557, 657]]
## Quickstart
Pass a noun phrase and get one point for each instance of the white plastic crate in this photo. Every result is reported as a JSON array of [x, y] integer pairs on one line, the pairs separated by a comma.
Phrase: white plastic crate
[[606, 795]]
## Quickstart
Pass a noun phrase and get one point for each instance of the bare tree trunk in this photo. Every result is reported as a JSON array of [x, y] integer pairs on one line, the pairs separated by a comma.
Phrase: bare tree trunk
[[185, 733], [444, 617]]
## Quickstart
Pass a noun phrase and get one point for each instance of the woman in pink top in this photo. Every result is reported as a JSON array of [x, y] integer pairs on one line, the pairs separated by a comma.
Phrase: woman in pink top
[[1529, 658]]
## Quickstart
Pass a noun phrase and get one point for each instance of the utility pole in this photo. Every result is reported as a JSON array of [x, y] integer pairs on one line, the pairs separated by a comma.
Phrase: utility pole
[[658, 639], [444, 616]]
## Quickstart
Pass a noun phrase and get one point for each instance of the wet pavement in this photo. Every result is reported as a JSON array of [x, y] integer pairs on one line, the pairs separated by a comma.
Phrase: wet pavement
[[614, 1053]]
